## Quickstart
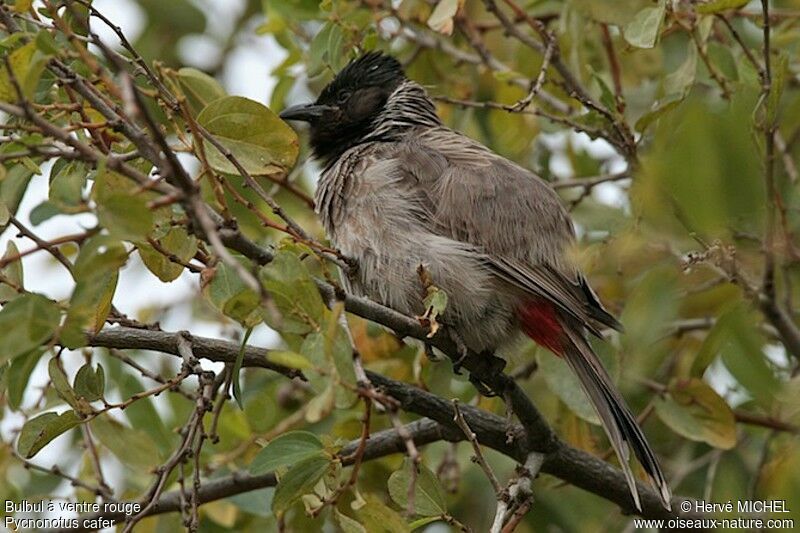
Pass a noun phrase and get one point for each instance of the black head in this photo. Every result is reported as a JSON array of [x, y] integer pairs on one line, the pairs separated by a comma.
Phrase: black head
[[345, 110]]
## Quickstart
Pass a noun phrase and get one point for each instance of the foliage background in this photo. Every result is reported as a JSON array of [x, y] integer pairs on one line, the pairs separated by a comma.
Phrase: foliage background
[[670, 128]]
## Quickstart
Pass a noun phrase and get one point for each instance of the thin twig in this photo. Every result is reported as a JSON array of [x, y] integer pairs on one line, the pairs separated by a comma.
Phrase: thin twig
[[458, 418]]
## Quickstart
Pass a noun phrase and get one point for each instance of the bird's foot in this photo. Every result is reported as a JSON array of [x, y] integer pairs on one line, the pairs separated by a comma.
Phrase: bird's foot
[[492, 369], [430, 354], [351, 263], [495, 364]]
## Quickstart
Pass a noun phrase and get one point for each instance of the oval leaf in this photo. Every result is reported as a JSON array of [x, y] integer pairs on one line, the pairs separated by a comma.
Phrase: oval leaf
[[12, 279], [253, 134], [698, 413], [298, 481], [38, 432], [286, 450], [642, 31], [90, 383], [429, 498], [133, 447], [61, 383], [177, 242], [199, 88], [377, 516], [18, 375], [26, 323]]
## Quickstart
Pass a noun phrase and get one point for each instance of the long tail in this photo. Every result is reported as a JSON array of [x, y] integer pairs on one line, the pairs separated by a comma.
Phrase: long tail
[[620, 425]]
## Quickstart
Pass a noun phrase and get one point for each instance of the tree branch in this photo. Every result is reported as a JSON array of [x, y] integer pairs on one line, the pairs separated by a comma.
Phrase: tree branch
[[561, 460], [380, 444]]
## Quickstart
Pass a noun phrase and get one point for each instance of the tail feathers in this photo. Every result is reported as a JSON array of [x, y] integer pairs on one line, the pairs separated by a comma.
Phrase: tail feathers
[[620, 425]]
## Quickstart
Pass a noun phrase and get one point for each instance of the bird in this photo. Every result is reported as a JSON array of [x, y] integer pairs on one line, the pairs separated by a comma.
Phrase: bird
[[400, 191]]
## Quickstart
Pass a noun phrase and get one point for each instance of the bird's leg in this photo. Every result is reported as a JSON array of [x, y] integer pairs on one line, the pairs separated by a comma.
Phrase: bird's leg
[[432, 357], [352, 265], [463, 351]]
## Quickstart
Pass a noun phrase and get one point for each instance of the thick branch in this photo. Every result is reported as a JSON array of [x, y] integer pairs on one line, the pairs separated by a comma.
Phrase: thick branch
[[574, 466], [167, 342]]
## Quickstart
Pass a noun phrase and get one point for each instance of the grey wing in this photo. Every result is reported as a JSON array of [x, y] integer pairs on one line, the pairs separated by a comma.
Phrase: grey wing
[[480, 198]]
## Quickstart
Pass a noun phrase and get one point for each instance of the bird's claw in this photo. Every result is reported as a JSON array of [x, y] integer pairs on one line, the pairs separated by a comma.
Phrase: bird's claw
[[463, 351], [492, 366], [458, 363], [481, 387]]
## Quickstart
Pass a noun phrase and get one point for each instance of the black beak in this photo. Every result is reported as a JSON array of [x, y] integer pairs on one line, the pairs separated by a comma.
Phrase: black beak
[[305, 112]]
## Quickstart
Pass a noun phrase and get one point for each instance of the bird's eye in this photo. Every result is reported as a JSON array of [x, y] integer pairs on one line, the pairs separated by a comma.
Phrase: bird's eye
[[343, 97]]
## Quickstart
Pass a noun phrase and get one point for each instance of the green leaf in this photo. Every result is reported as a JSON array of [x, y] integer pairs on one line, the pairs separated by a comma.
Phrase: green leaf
[[253, 134], [299, 480], [376, 517], [61, 383], [610, 11], [717, 6], [348, 524], [339, 351], [96, 271], [322, 404], [18, 375], [420, 522], [743, 354], [90, 383], [244, 307], [330, 351], [122, 206], [320, 54], [294, 292], [133, 447], [199, 88], [12, 274], [643, 30], [43, 212], [294, 9], [679, 81], [13, 187], [228, 293], [21, 6], [722, 57], [722, 196], [142, 413], [652, 116], [696, 412], [38, 432], [5, 215], [507, 75], [288, 359], [429, 497], [27, 64], [26, 323], [45, 43], [67, 180], [286, 450], [124, 216], [179, 243]]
